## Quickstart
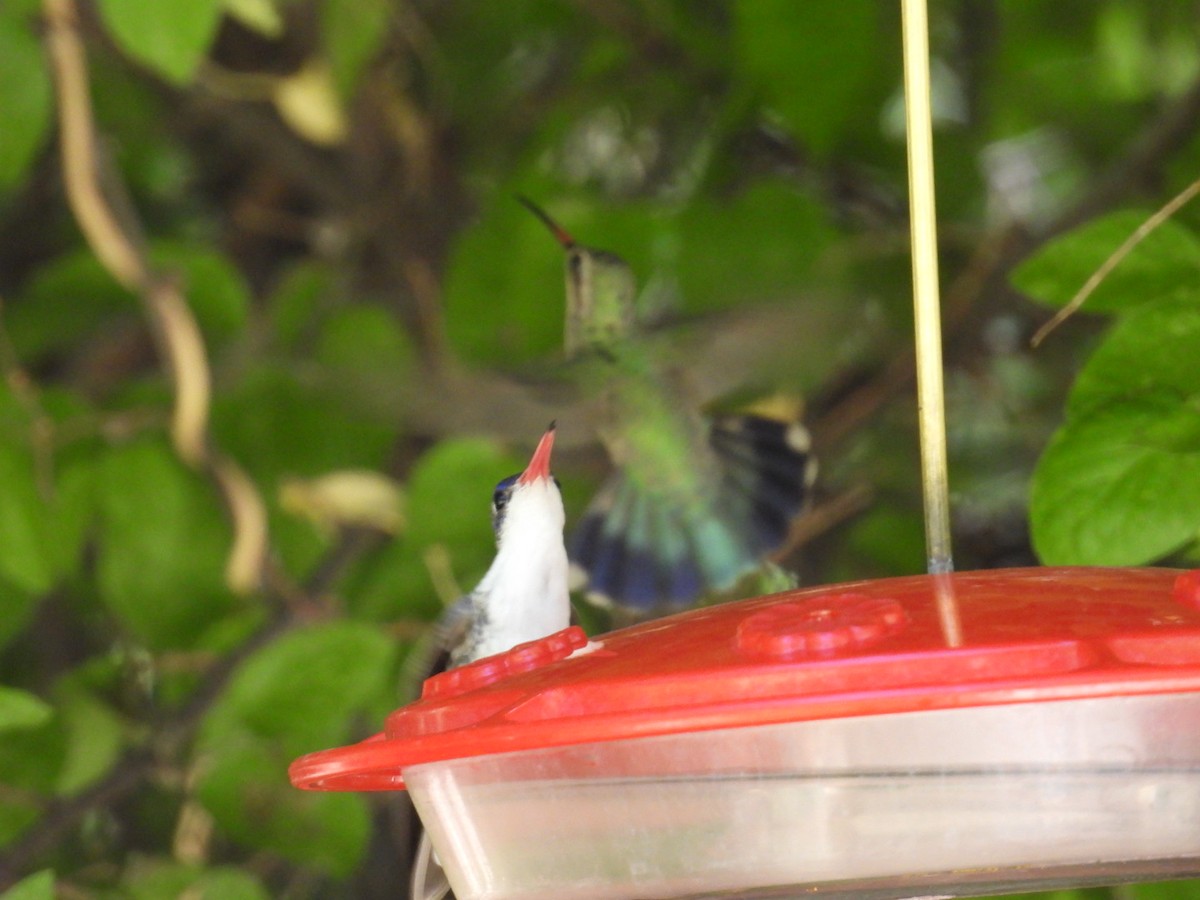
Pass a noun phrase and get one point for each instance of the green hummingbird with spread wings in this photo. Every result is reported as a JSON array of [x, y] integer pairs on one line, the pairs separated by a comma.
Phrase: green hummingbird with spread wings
[[695, 502]]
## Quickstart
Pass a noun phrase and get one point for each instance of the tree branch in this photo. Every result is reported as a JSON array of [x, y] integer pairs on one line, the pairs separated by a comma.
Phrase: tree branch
[[120, 250]]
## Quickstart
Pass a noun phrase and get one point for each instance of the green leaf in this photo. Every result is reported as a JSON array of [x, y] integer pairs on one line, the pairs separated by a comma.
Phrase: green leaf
[[448, 514], [71, 509], [73, 297], [16, 608], [25, 528], [38, 886], [280, 427], [354, 31], [65, 301], [277, 426], [31, 759], [24, 97], [95, 739], [44, 514], [1166, 890], [162, 545], [295, 304], [1120, 486], [148, 878], [216, 291], [1151, 352], [1167, 259], [305, 687], [227, 883], [505, 293], [16, 815], [773, 235], [449, 490], [812, 62], [21, 709], [365, 339], [169, 36], [160, 168], [1120, 482], [246, 789], [299, 693]]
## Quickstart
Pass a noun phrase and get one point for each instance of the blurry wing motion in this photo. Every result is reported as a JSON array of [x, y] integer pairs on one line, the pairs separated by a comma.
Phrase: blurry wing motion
[[767, 471], [643, 554], [433, 652]]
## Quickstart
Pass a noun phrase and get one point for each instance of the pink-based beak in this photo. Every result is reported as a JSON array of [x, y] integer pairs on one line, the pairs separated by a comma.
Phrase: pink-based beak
[[560, 234], [539, 466]]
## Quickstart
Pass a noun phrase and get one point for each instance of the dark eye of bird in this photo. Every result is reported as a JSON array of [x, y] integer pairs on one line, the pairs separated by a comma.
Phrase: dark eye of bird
[[575, 263], [502, 493]]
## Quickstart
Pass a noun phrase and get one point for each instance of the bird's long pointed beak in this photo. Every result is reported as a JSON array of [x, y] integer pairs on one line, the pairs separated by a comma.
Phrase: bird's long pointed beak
[[539, 465], [560, 234]]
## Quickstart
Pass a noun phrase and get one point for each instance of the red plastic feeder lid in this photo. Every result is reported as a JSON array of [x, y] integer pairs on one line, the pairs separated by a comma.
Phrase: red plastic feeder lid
[[859, 649]]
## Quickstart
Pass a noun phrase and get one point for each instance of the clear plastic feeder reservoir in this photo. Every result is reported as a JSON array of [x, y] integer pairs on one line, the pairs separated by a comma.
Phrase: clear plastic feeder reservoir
[[945, 735]]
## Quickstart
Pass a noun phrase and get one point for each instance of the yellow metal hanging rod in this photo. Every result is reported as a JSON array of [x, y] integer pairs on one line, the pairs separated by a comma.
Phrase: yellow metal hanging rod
[[926, 306]]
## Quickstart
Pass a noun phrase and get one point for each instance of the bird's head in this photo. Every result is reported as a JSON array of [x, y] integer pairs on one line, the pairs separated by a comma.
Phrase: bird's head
[[529, 502], [601, 292]]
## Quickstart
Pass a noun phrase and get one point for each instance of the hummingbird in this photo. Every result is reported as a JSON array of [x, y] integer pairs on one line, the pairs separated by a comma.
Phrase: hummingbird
[[522, 597], [524, 594], [695, 502]]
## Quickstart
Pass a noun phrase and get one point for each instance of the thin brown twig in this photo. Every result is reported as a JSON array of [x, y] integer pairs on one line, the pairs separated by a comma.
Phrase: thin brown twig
[[824, 517], [247, 557], [114, 244], [426, 293], [175, 328], [79, 155], [1165, 212]]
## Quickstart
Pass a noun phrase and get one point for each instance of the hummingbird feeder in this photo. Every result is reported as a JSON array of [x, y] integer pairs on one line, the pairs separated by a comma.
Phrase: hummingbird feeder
[[937, 735], [824, 740]]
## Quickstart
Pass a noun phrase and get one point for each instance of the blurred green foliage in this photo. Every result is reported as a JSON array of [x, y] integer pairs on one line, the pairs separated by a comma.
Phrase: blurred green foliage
[[331, 183]]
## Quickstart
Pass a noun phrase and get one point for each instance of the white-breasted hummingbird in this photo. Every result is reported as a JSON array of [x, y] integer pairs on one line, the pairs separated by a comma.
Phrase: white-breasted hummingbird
[[524, 594], [696, 502], [522, 597]]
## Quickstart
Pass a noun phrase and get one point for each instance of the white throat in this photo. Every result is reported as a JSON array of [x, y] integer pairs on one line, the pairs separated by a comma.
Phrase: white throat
[[524, 594]]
